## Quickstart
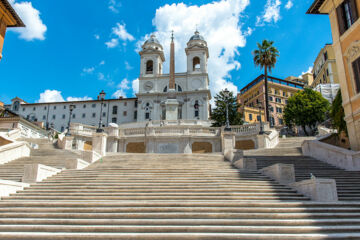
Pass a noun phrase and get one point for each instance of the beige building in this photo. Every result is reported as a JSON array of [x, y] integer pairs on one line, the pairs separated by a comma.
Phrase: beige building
[[8, 18], [325, 70], [345, 27], [252, 97]]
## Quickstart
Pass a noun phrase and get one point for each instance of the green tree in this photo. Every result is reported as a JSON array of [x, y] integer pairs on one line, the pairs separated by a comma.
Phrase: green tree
[[337, 114], [218, 114], [265, 57], [306, 109]]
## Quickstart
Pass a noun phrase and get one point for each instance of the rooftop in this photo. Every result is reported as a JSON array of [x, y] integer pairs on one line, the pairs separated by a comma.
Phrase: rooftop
[[273, 80], [314, 8], [19, 22]]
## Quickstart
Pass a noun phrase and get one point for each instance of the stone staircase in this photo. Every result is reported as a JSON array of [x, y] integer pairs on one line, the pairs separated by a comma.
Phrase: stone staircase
[[348, 183], [135, 196], [46, 154]]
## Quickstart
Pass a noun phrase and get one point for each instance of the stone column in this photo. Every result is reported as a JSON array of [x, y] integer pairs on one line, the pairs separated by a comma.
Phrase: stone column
[[99, 143], [68, 142], [112, 141], [228, 145]]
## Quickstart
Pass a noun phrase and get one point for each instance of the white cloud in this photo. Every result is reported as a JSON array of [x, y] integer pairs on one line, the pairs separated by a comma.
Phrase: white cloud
[[35, 28], [55, 96], [308, 71], [271, 13], [114, 5], [218, 22], [112, 43], [50, 96], [88, 70], [97, 36], [119, 93], [124, 84], [102, 63], [73, 99], [128, 66], [289, 4], [135, 86], [121, 34], [101, 76]]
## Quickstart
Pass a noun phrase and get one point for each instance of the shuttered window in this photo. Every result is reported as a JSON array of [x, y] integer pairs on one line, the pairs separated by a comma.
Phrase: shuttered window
[[356, 69], [347, 14]]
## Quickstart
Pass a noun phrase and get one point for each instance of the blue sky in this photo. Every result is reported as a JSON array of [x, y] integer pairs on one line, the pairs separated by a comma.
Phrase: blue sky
[[74, 49]]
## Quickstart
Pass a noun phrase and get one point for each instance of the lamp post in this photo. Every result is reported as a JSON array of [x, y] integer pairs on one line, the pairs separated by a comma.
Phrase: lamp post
[[71, 108], [227, 123], [261, 125], [101, 98]]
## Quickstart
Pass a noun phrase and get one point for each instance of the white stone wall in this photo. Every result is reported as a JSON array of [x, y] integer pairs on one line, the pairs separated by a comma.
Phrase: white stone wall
[[58, 113]]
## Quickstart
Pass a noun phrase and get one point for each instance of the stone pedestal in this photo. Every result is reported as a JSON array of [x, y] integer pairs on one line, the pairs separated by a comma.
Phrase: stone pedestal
[[246, 163], [172, 106], [318, 189], [228, 145], [99, 143], [79, 144], [112, 140], [68, 142], [283, 173], [38, 172]]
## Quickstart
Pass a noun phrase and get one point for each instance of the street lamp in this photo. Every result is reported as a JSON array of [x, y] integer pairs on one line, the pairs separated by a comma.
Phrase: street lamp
[[261, 125], [227, 124], [101, 97], [71, 108]]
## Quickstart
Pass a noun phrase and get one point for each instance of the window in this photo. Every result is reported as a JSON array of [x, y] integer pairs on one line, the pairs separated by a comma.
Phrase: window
[[281, 122], [327, 72], [104, 105], [74, 116], [125, 104], [94, 115], [279, 110], [136, 103], [45, 108], [271, 109], [356, 69], [114, 110], [284, 94], [62, 129], [196, 108], [64, 107], [84, 106], [272, 121], [325, 56], [346, 15], [196, 63], [83, 115], [147, 115], [135, 115], [258, 118], [53, 117], [44, 117], [23, 109], [93, 105], [250, 116], [278, 100], [104, 114], [149, 67], [124, 113], [286, 101], [54, 107], [34, 108], [114, 120], [63, 116], [277, 92]]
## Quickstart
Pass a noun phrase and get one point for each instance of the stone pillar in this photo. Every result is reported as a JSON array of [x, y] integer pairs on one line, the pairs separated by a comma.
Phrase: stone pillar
[[112, 140], [318, 189], [283, 173], [79, 144], [99, 143], [228, 145], [68, 142], [172, 106]]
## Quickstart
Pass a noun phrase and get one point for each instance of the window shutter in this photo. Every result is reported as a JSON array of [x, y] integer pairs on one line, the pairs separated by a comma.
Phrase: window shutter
[[340, 17], [356, 69], [354, 11]]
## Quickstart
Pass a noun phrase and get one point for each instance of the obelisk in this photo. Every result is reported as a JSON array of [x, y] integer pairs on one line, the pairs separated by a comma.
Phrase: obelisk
[[171, 103]]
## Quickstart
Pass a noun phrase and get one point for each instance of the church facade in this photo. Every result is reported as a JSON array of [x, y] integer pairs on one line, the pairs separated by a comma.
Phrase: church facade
[[172, 96]]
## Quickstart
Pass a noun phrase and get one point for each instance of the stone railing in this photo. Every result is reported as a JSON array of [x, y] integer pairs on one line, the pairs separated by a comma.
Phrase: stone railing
[[248, 129], [13, 151]]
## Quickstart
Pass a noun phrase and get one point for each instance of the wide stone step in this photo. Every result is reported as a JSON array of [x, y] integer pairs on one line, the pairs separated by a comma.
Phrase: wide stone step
[[177, 229]]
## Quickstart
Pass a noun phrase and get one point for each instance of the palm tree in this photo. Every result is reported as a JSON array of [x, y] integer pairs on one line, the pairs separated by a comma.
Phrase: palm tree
[[265, 57]]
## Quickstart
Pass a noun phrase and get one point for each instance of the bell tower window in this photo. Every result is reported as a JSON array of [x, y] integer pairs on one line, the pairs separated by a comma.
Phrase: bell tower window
[[196, 109], [149, 67], [196, 63]]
